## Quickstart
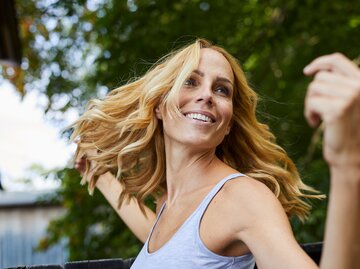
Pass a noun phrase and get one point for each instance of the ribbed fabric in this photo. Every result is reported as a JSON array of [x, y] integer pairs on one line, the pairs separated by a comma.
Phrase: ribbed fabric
[[185, 248]]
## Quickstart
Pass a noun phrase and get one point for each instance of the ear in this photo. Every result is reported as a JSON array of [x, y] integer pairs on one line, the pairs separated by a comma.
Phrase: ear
[[158, 112], [228, 129]]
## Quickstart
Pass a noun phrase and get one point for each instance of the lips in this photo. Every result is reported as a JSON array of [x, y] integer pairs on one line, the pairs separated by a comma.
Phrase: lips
[[201, 116]]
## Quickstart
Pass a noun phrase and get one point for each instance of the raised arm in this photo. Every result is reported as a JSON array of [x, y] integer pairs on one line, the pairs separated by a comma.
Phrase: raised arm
[[334, 97], [129, 212]]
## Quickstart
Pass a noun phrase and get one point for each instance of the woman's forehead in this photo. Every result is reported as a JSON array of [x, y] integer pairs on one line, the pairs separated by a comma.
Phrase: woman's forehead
[[214, 61]]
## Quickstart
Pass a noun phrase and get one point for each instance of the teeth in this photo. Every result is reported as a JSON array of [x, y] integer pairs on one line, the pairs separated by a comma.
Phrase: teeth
[[198, 117]]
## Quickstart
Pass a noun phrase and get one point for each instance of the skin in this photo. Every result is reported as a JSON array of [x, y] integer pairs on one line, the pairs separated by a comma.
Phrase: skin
[[130, 213], [192, 168], [334, 98], [260, 224]]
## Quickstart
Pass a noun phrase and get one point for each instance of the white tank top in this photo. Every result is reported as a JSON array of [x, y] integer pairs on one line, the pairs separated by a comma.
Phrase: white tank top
[[185, 248]]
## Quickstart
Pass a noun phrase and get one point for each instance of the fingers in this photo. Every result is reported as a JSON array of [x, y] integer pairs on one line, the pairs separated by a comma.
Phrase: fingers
[[322, 107], [333, 85], [335, 62], [82, 159], [80, 164], [336, 84], [334, 98]]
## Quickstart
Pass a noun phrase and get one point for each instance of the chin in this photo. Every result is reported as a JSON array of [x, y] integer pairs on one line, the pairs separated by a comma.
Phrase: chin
[[201, 143]]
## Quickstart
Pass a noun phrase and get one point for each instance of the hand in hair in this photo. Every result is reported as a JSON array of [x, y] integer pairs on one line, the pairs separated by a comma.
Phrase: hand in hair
[[81, 162], [138, 222]]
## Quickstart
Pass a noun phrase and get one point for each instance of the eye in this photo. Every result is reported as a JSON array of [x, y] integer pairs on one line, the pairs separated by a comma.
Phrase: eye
[[190, 82], [223, 90]]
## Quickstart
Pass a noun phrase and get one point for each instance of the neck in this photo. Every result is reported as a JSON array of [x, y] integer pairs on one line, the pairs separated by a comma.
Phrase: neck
[[188, 170]]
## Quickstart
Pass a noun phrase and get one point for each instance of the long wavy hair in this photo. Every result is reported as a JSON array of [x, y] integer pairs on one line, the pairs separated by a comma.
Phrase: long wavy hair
[[129, 138]]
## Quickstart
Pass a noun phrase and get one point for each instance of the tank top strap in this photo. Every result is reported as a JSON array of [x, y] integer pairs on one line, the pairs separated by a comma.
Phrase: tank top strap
[[156, 221], [208, 198], [199, 211], [185, 248]]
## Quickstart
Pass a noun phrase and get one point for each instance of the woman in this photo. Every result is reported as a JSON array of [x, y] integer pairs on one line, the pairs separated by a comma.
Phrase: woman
[[183, 133]]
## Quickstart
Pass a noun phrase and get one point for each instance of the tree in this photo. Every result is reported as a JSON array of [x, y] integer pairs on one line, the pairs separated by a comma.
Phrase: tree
[[76, 50]]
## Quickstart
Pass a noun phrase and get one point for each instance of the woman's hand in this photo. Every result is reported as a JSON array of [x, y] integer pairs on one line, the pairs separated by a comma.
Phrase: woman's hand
[[82, 161], [334, 97], [80, 164], [139, 223]]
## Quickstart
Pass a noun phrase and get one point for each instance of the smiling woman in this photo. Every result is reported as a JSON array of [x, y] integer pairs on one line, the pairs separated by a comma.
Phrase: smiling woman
[[205, 103], [187, 134]]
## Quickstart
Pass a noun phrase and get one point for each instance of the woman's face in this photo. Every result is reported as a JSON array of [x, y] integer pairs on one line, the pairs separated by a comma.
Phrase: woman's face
[[205, 102]]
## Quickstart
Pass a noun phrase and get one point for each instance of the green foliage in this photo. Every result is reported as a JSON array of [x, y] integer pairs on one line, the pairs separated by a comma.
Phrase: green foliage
[[91, 227], [81, 49]]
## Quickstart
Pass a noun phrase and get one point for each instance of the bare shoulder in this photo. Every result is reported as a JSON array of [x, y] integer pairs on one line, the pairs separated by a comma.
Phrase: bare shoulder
[[247, 189], [245, 182], [249, 200], [256, 218]]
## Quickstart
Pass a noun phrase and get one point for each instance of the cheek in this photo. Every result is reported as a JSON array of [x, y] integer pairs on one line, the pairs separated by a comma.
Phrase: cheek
[[228, 115], [184, 97], [227, 112]]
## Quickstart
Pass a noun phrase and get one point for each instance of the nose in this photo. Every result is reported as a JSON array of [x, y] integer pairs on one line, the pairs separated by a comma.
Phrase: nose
[[205, 95]]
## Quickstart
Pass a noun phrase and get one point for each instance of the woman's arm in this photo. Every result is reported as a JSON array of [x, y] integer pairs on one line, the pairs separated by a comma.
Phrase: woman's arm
[[262, 225], [334, 98], [129, 212], [342, 231]]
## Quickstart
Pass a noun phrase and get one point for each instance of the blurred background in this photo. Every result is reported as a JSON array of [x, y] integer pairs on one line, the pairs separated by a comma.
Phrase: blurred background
[[56, 55]]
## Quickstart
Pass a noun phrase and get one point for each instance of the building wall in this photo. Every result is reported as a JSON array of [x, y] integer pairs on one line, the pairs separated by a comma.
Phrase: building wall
[[20, 231]]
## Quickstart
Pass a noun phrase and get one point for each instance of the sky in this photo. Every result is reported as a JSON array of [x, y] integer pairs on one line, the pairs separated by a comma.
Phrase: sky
[[27, 139]]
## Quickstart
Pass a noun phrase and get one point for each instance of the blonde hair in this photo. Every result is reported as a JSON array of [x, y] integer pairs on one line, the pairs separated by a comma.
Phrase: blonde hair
[[128, 137]]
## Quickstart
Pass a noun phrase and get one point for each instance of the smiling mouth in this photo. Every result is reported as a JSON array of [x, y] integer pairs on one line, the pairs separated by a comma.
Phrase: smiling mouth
[[200, 117]]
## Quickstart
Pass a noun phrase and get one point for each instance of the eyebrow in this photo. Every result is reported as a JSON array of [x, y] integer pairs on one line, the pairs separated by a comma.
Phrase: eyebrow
[[198, 72], [222, 79]]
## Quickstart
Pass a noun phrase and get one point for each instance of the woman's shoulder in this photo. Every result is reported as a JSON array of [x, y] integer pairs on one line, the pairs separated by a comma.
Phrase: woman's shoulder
[[247, 188], [250, 198]]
